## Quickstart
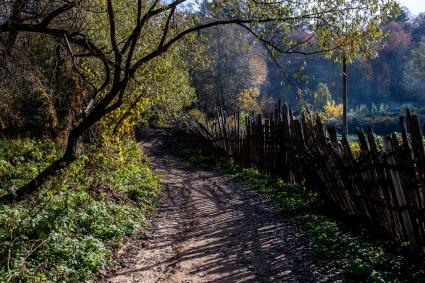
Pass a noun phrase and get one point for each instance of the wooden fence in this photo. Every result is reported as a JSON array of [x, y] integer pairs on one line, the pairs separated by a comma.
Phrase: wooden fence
[[382, 182]]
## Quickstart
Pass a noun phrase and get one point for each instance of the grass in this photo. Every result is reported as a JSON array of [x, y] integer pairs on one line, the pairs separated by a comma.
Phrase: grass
[[362, 257], [69, 230]]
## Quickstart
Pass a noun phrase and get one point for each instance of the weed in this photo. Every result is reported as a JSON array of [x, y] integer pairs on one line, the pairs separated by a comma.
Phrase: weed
[[66, 233]]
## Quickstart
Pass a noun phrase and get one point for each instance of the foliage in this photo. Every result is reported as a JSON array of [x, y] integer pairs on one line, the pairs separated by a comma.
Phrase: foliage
[[161, 88], [129, 54], [380, 117], [332, 112], [355, 147], [321, 97], [385, 78], [322, 102], [197, 115], [38, 92], [232, 67], [51, 97], [67, 233], [248, 101], [160, 96], [231, 75], [414, 72]]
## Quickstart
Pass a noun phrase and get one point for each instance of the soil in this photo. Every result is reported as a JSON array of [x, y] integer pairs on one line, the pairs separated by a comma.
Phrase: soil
[[210, 228], [100, 190]]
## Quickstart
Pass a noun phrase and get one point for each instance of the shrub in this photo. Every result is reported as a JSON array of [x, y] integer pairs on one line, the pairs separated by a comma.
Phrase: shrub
[[66, 233]]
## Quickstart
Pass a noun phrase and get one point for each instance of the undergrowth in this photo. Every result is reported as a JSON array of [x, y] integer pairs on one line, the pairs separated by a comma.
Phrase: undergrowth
[[362, 257], [67, 231]]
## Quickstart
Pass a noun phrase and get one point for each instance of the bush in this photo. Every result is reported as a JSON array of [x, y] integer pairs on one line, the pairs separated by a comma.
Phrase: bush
[[66, 233]]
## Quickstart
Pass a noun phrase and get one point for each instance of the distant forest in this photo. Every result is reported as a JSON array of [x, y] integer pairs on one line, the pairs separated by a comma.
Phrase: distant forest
[[244, 76], [395, 76]]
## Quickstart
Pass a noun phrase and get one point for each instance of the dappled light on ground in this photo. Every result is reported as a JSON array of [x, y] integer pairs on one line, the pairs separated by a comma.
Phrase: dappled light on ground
[[209, 228]]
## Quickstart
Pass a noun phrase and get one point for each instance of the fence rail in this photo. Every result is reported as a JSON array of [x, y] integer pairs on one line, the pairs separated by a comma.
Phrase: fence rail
[[382, 183]]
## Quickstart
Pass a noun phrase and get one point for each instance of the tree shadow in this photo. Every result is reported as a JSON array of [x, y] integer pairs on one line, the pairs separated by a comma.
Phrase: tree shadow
[[227, 232]]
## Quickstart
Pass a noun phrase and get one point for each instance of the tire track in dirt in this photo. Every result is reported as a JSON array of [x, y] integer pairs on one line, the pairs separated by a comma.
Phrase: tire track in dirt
[[210, 228]]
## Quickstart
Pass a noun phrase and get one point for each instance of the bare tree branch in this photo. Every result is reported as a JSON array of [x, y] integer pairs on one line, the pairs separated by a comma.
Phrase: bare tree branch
[[134, 37], [160, 50], [51, 16], [136, 34], [112, 31], [166, 27]]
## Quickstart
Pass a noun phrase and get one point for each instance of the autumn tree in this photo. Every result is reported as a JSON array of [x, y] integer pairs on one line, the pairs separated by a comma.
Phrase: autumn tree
[[414, 73], [228, 71]]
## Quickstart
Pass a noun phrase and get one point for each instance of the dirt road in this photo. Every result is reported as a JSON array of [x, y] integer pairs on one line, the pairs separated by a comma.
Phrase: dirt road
[[209, 228]]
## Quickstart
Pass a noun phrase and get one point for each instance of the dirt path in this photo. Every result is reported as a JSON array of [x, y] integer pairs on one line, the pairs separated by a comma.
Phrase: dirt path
[[209, 228]]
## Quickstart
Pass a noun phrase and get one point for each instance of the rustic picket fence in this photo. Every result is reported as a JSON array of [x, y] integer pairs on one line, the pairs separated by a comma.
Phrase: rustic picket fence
[[382, 183]]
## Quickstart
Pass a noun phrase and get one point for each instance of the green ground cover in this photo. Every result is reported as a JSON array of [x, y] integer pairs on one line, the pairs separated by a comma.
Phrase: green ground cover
[[68, 231]]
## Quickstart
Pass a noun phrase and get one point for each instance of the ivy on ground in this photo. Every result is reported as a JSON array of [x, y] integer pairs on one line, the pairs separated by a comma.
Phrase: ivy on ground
[[68, 231]]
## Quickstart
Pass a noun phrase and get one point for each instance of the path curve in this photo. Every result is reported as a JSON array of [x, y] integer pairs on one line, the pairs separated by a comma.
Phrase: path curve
[[210, 228]]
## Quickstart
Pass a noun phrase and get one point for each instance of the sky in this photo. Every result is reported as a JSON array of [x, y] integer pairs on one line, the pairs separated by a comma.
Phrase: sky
[[415, 6]]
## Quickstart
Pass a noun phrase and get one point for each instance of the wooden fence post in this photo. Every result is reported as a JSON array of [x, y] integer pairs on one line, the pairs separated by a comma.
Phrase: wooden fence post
[[399, 192], [260, 141]]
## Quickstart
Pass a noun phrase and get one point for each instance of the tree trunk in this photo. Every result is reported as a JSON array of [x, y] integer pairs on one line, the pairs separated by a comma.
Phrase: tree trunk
[[33, 186], [70, 154], [344, 95], [73, 101]]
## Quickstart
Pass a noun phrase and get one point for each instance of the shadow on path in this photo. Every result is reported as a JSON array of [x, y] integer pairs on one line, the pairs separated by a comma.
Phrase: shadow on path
[[209, 228]]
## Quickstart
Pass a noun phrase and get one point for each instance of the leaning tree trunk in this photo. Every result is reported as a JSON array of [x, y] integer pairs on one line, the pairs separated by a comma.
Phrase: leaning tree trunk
[[33, 186], [74, 101], [344, 95], [70, 154]]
